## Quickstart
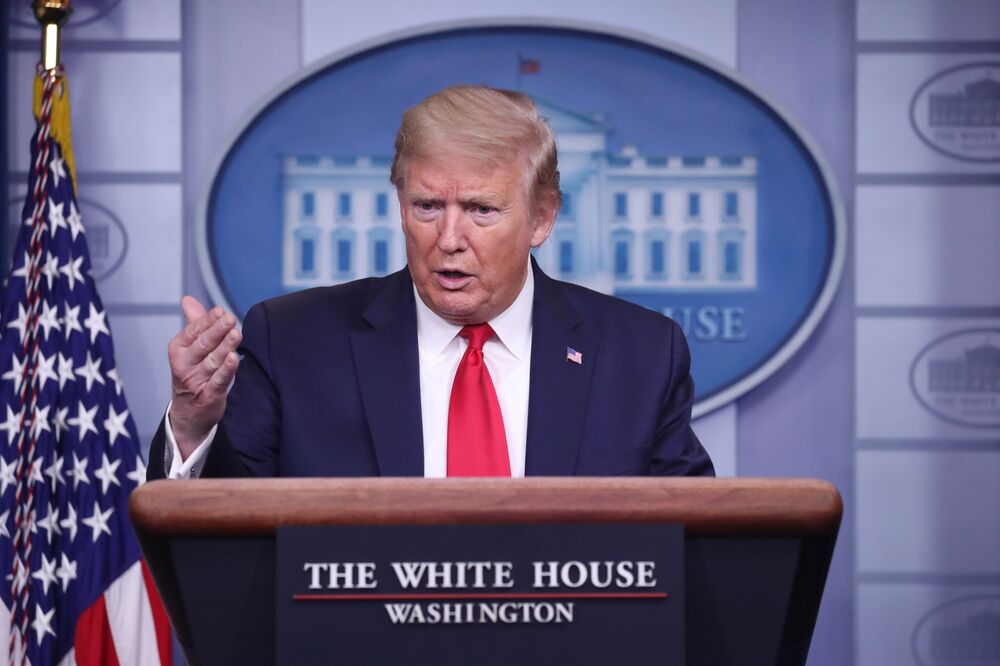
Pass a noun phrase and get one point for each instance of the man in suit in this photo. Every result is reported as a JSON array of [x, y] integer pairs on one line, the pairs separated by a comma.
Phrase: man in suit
[[469, 362]]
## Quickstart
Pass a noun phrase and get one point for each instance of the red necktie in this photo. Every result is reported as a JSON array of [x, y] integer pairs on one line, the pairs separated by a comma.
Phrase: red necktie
[[477, 445]]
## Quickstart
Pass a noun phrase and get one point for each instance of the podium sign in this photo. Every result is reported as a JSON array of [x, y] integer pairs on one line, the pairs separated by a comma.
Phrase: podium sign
[[484, 594]]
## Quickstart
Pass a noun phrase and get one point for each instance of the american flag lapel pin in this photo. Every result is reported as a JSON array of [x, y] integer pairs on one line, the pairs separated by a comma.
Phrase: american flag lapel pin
[[574, 356]]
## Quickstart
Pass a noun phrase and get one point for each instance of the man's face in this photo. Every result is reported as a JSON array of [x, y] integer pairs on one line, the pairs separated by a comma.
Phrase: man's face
[[468, 231]]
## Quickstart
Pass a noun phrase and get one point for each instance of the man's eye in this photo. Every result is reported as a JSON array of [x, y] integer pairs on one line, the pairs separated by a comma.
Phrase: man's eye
[[483, 210]]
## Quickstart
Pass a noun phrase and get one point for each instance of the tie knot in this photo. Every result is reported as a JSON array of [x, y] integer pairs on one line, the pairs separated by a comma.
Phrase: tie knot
[[477, 335]]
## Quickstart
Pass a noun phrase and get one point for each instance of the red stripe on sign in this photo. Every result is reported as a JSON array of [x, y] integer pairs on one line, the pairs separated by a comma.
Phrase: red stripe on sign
[[485, 595], [94, 644], [160, 619]]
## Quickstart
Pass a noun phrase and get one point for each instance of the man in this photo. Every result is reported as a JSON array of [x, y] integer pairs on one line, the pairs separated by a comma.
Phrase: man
[[386, 376]]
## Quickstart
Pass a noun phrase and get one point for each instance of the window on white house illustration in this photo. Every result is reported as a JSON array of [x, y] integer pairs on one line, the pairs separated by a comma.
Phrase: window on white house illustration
[[343, 256], [731, 206], [305, 252], [621, 204], [731, 253], [694, 205], [344, 204], [566, 211], [379, 252], [381, 257], [694, 255], [621, 254], [656, 205], [658, 258], [566, 257], [308, 204], [381, 205], [343, 253]]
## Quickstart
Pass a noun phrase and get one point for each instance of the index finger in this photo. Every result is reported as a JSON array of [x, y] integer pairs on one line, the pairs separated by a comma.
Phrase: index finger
[[192, 307]]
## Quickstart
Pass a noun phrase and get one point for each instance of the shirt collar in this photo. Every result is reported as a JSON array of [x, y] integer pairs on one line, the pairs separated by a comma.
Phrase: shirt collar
[[512, 326]]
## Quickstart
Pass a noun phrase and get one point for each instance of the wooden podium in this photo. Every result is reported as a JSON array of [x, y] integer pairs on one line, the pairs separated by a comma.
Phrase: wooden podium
[[757, 551]]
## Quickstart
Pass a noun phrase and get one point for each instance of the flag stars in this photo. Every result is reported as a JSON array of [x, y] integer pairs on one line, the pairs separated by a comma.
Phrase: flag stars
[[50, 523], [22, 269], [57, 167], [20, 324], [71, 321], [71, 269], [113, 375], [75, 224], [84, 422], [98, 522], [51, 269], [11, 425], [47, 572], [55, 470], [48, 319], [67, 570], [3, 524], [79, 471], [115, 424], [65, 370], [35, 475], [56, 218], [69, 524], [95, 323], [41, 421], [107, 473], [60, 423], [45, 370], [16, 373], [90, 371], [7, 472], [42, 624], [138, 475]]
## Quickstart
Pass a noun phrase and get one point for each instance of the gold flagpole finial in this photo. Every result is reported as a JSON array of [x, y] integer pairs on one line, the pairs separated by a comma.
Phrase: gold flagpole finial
[[51, 15]]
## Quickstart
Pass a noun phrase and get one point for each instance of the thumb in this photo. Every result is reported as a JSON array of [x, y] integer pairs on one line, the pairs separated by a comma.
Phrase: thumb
[[192, 307]]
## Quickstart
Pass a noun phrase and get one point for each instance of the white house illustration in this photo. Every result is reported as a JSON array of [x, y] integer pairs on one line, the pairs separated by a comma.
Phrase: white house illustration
[[629, 222]]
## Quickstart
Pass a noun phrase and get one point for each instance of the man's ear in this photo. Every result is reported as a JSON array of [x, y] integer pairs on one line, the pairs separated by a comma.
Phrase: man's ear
[[544, 218]]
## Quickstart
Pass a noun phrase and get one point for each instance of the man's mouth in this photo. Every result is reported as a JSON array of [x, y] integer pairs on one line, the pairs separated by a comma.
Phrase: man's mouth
[[452, 279]]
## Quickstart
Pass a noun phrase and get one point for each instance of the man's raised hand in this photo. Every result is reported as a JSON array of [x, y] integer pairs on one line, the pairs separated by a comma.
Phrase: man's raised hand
[[203, 362]]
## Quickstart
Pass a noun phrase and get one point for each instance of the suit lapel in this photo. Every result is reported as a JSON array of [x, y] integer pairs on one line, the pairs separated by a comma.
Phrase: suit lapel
[[385, 355], [557, 401]]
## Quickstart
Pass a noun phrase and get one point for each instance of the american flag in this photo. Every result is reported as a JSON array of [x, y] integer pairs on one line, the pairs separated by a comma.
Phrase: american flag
[[528, 65], [75, 588]]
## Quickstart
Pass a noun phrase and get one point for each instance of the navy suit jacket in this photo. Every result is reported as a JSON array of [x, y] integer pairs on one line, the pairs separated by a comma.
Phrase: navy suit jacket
[[329, 386]]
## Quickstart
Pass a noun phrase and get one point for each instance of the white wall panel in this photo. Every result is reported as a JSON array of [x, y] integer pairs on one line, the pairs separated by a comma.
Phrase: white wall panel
[[928, 246], [886, 407], [928, 19], [150, 270], [706, 27], [895, 623], [886, 140], [128, 19], [126, 110], [141, 355], [717, 432], [928, 511]]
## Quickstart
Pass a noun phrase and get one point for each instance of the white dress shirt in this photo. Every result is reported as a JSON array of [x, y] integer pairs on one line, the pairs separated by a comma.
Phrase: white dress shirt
[[440, 348]]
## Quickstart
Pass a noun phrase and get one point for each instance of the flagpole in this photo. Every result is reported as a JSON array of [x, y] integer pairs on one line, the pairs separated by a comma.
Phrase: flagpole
[[51, 14]]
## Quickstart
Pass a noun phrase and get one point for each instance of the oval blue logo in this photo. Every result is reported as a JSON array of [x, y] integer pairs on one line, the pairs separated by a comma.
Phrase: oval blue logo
[[957, 377], [685, 191], [957, 112], [963, 632]]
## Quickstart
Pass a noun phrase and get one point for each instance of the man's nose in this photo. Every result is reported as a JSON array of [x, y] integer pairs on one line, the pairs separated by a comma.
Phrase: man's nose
[[451, 234]]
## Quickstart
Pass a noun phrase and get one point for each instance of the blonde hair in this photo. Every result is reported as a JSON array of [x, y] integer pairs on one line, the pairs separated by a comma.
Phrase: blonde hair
[[488, 124]]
